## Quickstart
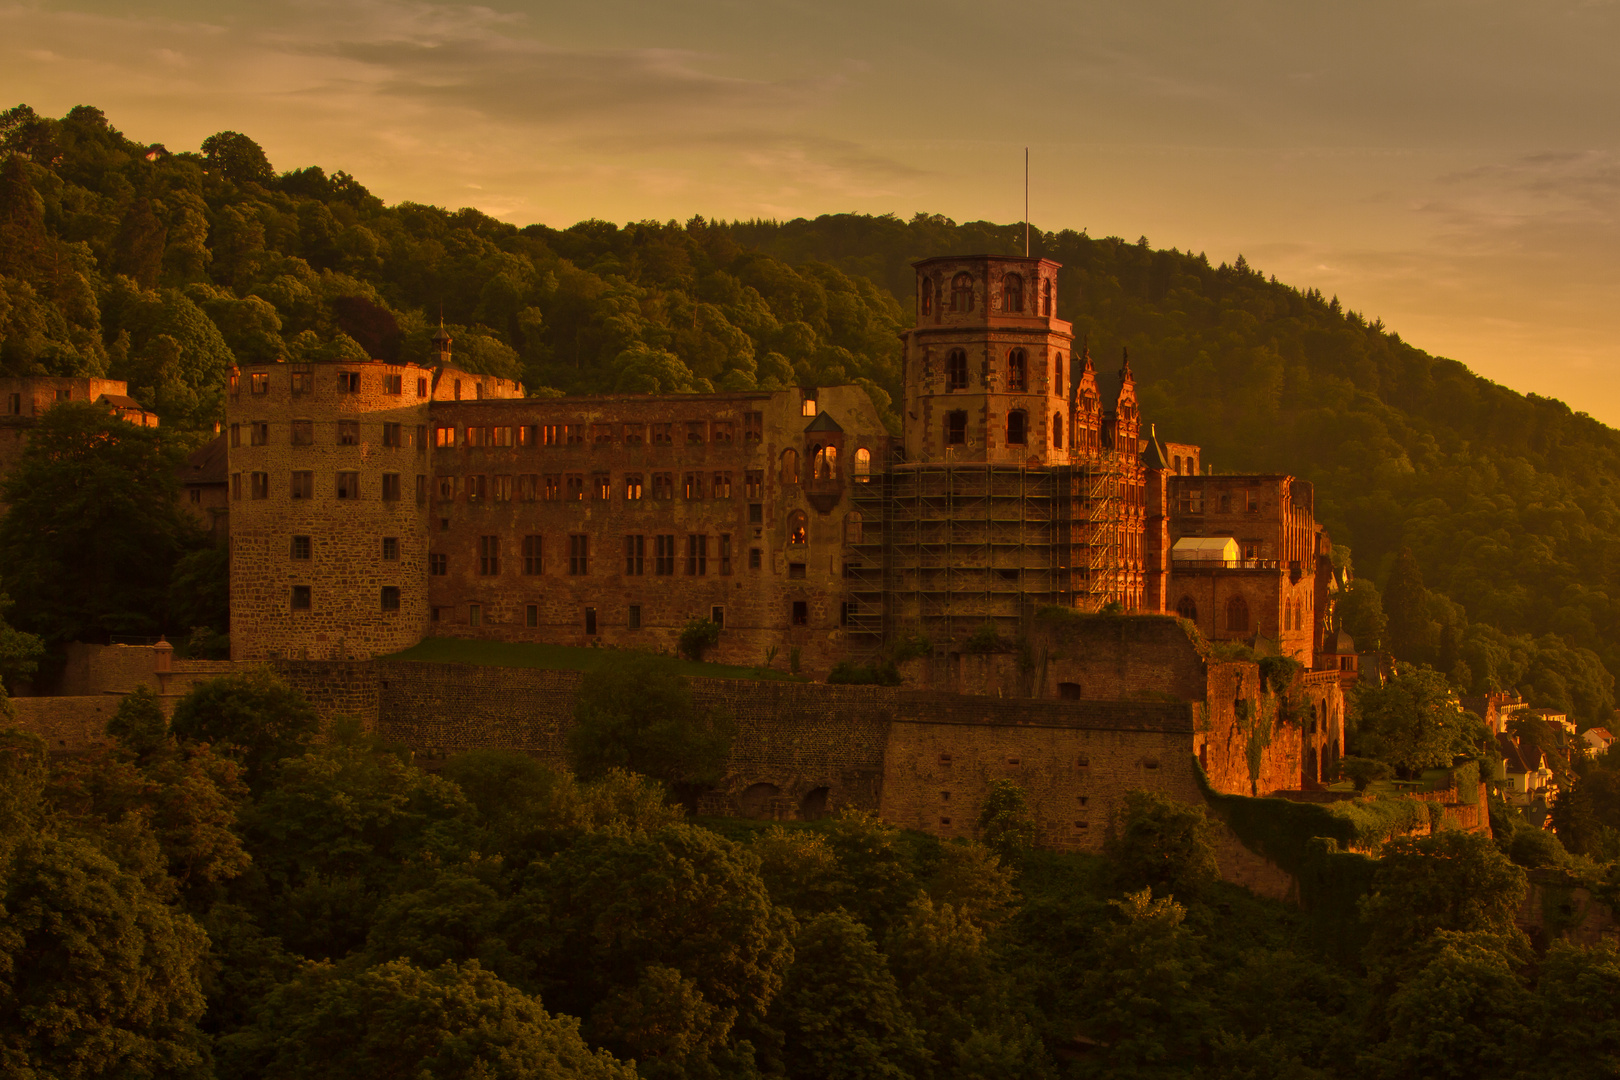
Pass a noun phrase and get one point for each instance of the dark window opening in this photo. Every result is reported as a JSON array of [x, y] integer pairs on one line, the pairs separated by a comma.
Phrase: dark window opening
[[801, 613], [956, 373]]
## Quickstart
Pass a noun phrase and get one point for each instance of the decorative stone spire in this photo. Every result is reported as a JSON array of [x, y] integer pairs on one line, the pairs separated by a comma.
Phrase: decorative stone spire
[[1125, 365], [441, 344]]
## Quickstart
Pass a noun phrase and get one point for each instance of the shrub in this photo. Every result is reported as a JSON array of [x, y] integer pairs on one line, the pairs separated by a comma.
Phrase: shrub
[[1362, 771], [984, 640], [1006, 825], [698, 636], [881, 673], [1160, 843]]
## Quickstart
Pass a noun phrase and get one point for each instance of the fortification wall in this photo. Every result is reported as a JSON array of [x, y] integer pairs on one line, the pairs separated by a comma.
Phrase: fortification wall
[[69, 725]]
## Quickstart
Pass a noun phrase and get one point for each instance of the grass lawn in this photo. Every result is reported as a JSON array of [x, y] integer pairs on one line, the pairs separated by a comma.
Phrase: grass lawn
[[561, 658]]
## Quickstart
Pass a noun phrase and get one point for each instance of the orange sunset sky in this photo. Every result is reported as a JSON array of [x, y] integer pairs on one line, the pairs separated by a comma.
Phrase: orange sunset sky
[[1449, 167]]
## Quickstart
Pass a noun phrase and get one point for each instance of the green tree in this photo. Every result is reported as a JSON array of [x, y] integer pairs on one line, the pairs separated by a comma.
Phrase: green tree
[[254, 716], [641, 717], [840, 1010], [1463, 1015], [199, 590], [1006, 823], [94, 527], [1414, 722], [1451, 881], [139, 724], [19, 654], [1578, 1011], [698, 636], [238, 157], [875, 879], [453, 1022], [1163, 845], [1361, 615]]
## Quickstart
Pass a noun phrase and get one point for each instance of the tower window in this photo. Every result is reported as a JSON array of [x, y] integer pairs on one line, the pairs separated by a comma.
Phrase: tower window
[[1057, 374], [956, 428], [956, 370], [927, 293], [1017, 370], [962, 292], [1057, 431], [390, 597], [863, 464], [1017, 423], [1046, 297], [801, 613], [1012, 292], [489, 555], [301, 598]]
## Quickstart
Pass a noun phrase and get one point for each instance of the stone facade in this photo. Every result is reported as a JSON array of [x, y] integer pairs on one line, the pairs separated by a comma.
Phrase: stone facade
[[24, 400]]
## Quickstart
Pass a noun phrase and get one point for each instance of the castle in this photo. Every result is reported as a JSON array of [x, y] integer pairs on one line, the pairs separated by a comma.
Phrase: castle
[[372, 505]]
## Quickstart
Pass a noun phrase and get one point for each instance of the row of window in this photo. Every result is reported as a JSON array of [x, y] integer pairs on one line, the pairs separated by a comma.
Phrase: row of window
[[303, 599], [599, 487], [1015, 377], [346, 485], [348, 434], [1237, 613], [961, 299], [687, 433], [1016, 432], [348, 382], [1190, 500], [696, 552]]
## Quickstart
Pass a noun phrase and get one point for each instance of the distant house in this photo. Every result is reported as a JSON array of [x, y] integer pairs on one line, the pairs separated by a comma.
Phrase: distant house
[[1598, 740], [1525, 770]]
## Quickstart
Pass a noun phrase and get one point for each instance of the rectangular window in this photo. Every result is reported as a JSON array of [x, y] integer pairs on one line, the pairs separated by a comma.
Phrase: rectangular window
[[259, 433], [475, 614], [502, 437], [723, 430], [477, 436], [393, 435], [663, 485], [303, 380], [447, 488], [601, 434], [489, 556], [301, 599], [553, 488], [574, 434], [635, 434], [236, 486], [809, 408], [692, 485], [695, 431], [531, 615], [393, 384], [550, 435], [756, 558], [434, 614], [717, 615], [756, 513], [635, 555], [348, 433], [633, 619], [444, 436], [664, 554], [421, 488], [720, 488], [632, 487], [754, 484], [753, 427], [390, 487], [663, 434], [390, 593], [477, 488], [697, 554], [438, 565], [801, 613], [14, 405], [500, 488], [576, 487], [348, 485], [579, 554], [236, 435], [601, 487], [725, 554], [796, 570], [259, 383], [422, 387], [303, 433], [590, 620], [300, 547], [348, 382], [533, 552], [261, 485], [390, 548], [303, 485]]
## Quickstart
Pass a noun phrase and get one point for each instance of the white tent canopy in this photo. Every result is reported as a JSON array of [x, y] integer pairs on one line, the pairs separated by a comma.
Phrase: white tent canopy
[[1205, 549]]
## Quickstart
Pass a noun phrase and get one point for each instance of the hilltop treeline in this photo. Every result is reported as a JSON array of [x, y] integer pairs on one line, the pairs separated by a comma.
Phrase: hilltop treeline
[[161, 268]]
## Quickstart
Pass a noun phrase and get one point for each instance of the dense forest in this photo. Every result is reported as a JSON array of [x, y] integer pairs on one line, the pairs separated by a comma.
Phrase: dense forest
[[226, 895], [162, 268]]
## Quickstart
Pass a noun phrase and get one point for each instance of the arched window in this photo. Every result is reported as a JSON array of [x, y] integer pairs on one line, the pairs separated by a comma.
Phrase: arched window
[[790, 466], [1057, 374], [1046, 297], [956, 370], [955, 428], [927, 290], [1177, 463], [863, 464], [852, 528], [1057, 431], [798, 528], [826, 466], [1187, 608], [962, 292], [1237, 615], [1012, 293], [1017, 428], [1017, 370]]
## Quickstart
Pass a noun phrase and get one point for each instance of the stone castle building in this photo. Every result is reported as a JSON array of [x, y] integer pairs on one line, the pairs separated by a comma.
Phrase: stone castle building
[[371, 505]]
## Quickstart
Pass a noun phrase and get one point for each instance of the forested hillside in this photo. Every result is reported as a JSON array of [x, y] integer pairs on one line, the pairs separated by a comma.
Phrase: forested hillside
[[160, 268]]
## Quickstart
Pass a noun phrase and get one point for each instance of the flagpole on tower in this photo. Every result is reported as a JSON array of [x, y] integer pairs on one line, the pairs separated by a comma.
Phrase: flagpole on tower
[[1026, 202]]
